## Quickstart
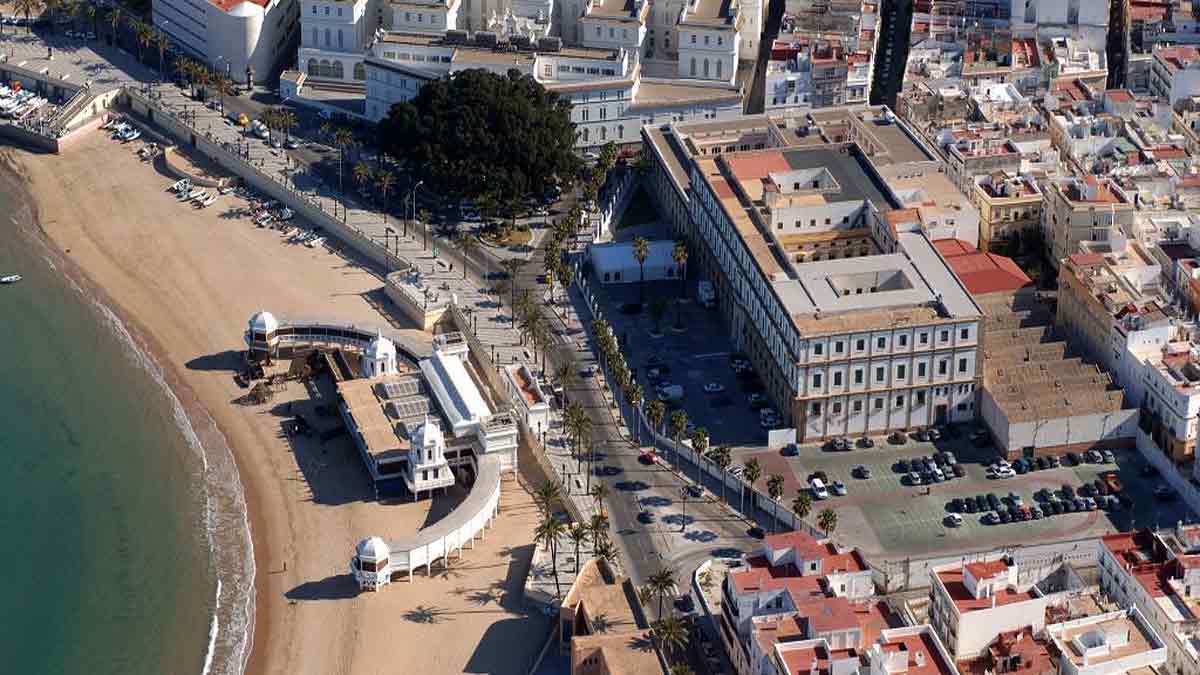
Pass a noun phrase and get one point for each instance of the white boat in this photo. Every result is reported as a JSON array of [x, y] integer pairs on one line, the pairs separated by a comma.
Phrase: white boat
[[313, 243], [10, 279], [180, 184], [194, 193], [208, 200]]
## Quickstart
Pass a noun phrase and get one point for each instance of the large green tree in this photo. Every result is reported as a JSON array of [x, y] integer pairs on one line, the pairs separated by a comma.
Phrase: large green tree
[[476, 134]]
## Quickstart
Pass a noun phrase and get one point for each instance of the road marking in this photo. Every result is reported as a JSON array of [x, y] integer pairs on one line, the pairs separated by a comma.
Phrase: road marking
[[713, 355]]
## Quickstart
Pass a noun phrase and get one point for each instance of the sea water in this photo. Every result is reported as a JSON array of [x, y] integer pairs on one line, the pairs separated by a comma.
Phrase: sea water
[[107, 546]]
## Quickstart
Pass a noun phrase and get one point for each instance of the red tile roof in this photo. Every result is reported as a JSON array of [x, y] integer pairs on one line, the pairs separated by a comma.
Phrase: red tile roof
[[987, 569], [982, 273], [757, 165], [226, 5], [800, 660], [1119, 95], [1086, 259], [921, 643]]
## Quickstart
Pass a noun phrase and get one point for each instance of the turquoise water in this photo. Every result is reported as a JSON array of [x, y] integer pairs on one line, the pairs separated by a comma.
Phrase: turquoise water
[[104, 549]]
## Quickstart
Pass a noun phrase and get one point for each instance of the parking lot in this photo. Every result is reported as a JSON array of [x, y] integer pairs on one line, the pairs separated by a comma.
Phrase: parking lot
[[693, 356], [886, 516]]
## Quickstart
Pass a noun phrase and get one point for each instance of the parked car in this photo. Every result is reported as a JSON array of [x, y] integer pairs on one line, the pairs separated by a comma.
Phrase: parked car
[[981, 503], [1072, 459], [933, 434], [954, 520], [1094, 456], [897, 438], [1001, 472], [903, 466], [969, 505], [1068, 492], [959, 471], [991, 518], [861, 471], [1108, 457], [994, 501], [1005, 517], [1015, 499], [838, 488], [817, 486], [957, 505], [645, 517], [866, 442]]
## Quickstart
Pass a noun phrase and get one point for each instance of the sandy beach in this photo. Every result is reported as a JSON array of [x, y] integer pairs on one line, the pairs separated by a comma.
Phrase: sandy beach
[[186, 281]]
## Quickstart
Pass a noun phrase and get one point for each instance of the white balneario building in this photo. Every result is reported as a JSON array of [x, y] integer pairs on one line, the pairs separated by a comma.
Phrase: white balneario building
[[242, 38]]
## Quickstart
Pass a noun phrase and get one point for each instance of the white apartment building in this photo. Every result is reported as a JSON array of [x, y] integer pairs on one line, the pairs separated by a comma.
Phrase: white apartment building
[[1086, 209], [971, 603], [1158, 573], [1027, 14], [1175, 73], [245, 39], [333, 36], [610, 98]]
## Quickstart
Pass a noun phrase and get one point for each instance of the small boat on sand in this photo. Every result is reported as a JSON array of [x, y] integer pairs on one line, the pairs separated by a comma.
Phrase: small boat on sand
[[10, 279]]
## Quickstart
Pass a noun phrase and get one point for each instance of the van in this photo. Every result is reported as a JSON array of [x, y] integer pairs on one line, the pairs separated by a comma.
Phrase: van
[[672, 392], [818, 489]]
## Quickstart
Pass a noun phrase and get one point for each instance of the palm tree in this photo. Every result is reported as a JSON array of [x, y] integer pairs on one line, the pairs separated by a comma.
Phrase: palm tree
[[270, 118], [161, 41], [343, 139], [604, 550], [722, 456], [547, 534], [802, 504], [598, 526], [680, 255], [542, 338], [53, 7], [385, 181], [678, 425], [87, 12], [566, 276], [775, 489], [658, 309], [700, 446], [565, 376], [183, 68], [671, 633], [222, 87], [513, 266], [752, 472], [827, 520], [287, 121], [362, 174], [662, 585], [641, 251], [655, 412], [635, 395], [546, 494], [115, 18], [599, 493], [28, 8], [468, 243], [578, 534], [144, 34], [579, 427]]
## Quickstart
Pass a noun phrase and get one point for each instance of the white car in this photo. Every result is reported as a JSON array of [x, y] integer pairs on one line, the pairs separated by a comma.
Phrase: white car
[[954, 520], [714, 388], [1001, 472], [817, 486]]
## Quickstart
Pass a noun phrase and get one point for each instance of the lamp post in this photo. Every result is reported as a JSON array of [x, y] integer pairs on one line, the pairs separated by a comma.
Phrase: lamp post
[[412, 199]]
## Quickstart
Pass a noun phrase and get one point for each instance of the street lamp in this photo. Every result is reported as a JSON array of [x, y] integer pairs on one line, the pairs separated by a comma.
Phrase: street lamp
[[412, 199]]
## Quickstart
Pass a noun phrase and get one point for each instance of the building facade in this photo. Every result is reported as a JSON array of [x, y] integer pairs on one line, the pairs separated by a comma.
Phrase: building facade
[[245, 39]]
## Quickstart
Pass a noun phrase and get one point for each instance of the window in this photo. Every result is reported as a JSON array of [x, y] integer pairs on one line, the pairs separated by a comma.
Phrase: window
[[340, 39], [837, 379], [818, 349], [861, 345], [881, 343], [900, 371], [816, 380], [816, 408], [693, 38], [837, 408], [718, 69], [879, 404], [339, 11], [837, 347], [923, 338], [945, 336], [858, 376], [902, 340], [920, 398], [360, 71], [693, 60], [880, 374], [962, 365], [920, 370], [942, 367], [899, 401], [857, 406], [328, 33], [964, 333]]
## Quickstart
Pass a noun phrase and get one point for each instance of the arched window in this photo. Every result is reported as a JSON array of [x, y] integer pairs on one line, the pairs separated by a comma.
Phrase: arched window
[[328, 41], [585, 135], [603, 133], [325, 68], [718, 70], [705, 67], [620, 131], [314, 69], [693, 66], [338, 71], [360, 71]]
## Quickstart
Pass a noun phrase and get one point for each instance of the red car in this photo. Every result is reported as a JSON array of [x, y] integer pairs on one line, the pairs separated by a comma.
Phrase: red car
[[648, 457]]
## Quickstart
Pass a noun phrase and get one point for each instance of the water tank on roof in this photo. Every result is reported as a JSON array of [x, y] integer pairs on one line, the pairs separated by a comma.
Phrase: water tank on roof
[[549, 44]]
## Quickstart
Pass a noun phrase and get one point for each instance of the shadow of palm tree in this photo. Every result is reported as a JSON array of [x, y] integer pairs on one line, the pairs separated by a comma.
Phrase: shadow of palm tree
[[482, 598], [423, 614]]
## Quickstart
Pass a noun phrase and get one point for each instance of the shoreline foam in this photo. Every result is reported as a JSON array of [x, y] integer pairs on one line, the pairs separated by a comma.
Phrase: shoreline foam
[[238, 643]]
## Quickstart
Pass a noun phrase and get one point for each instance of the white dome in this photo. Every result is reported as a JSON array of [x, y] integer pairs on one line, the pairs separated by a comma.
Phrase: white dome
[[263, 322], [246, 9], [381, 348], [372, 549], [429, 433]]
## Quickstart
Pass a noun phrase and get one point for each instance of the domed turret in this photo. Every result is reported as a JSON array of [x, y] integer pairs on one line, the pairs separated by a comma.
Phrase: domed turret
[[370, 564], [264, 322], [379, 358], [372, 549]]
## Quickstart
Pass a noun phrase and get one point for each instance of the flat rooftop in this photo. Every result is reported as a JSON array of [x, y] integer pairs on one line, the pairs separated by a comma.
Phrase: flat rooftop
[[966, 602], [844, 162], [383, 409], [1123, 637]]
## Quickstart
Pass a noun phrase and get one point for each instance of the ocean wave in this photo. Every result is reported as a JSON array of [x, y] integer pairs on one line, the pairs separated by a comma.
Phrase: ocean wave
[[226, 518]]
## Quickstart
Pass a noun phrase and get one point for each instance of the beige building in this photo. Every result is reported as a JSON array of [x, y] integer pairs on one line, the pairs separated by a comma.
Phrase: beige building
[[603, 627], [1085, 209], [1010, 208]]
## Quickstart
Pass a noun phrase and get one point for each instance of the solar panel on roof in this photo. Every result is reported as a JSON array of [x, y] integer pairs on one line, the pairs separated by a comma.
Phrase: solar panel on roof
[[402, 388]]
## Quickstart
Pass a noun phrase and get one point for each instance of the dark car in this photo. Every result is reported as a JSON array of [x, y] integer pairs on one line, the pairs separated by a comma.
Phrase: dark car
[[1005, 517], [645, 517], [1072, 459], [866, 442], [959, 471], [970, 506], [1043, 463], [994, 501], [863, 472], [897, 438], [685, 604], [1068, 506], [1019, 467], [956, 505], [755, 532], [1080, 504], [1068, 492], [819, 475], [1052, 460], [1102, 488], [1052, 507], [981, 503], [903, 466]]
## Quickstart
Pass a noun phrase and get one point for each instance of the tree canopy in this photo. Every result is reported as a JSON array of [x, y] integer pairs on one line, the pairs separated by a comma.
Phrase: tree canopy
[[476, 134]]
